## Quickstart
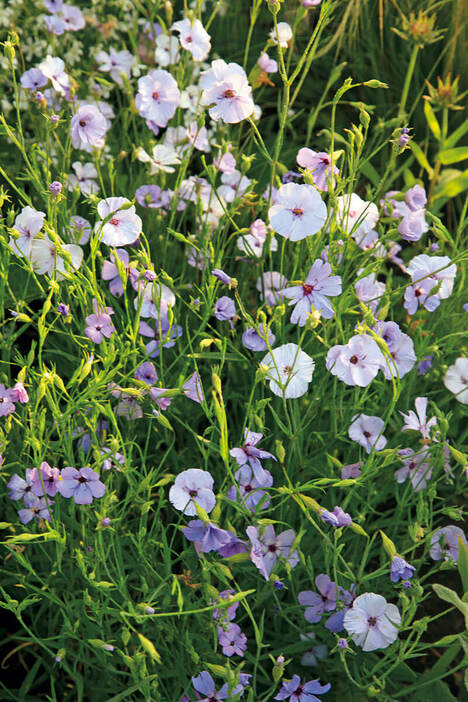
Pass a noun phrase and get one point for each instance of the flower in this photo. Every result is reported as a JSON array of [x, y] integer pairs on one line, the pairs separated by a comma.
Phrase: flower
[[250, 487], [289, 370], [226, 91], [193, 486], [99, 326], [88, 128], [416, 421], [269, 285], [167, 50], [47, 476], [193, 388], [367, 431], [297, 691], [118, 226], [33, 79], [28, 223], [444, 543], [207, 536], [158, 97], [232, 640], [425, 365], [400, 347], [415, 468], [284, 34], [36, 507], [319, 165], [299, 212], [413, 225], [162, 159], [225, 310], [164, 335], [370, 291], [7, 400], [456, 379], [111, 273], [316, 653], [355, 216], [249, 453], [83, 485], [400, 569], [316, 603], [352, 470], [46, 258], [438, 269], [116, 63], [357, 362], [226, 613], [146, 372], [193, 37], [337, 518], [416, 198], [267, 548], [313, 293], [266, 63], [53, 69], [80, 230], [257, 340], [21, 488], [372, 622], [84, 178], [204, 684], [420, 294], [55, 188]]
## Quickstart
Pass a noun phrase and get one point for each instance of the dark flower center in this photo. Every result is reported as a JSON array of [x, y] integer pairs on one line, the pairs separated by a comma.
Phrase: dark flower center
[[297, 212], [81, 479], [82, 123], [193, 493], [248, 488], [366, 434], [353, 360], [155, 95], [307, 289], [272, 548], [114, 221], [229, 93], [299, 691], [372, 621], [188, 40]]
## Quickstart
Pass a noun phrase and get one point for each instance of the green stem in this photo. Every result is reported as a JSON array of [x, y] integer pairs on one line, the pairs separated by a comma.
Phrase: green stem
[[406, 86]]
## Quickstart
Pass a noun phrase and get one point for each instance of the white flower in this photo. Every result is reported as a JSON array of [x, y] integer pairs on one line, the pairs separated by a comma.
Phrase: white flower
[[28, 224], [372, 622], [167, 48], [356, 216], [53, 68], [162, 159], [46, 257], [456, 380], [193, 486], [124, 227], [194, 38], [83, 178], [284, 34], [367, 431], [290, 370], [115, 63], [227, 92], [300, 211]]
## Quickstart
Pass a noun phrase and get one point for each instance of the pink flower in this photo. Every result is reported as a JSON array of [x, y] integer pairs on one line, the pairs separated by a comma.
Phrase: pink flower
[[300, 211], [88, 128], [158, 97], [227, 92], [194, 38], [357, 362], [123, 228], [367, 431]]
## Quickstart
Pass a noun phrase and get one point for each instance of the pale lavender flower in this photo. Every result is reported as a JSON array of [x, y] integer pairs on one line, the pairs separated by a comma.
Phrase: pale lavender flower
[[21, 488], [400, 569], [251, 489], [318, 286], [311, 3], [367, 431], [370, 291], [192, 486], [33, 79], [83, 178], [81, 229], [316, 653], [337, 518], [415, 467], [193, 37], [38, 508], [269, 286], [99, 326], [225, 310], [50, 477], [250, 454], [111, 273], [152, 196], [162, 402], [319, 165], [83, 485], [28, 224], [401, 348], [164, 335], [88, 128], [438, 269], [416, 421], [63, 309], [207, 536], [300, 211], [226, 613], [146, 372], [372, 622], [267, 548], [55, 188], [54, 70], [296, 691], [413, 225], [115, 63], [232, 640], [357, 362], [353, 470], [420, 294], [6, 401], [221, 275], [392, 207], [266, 63], [73, 18], [416, 198], [204, 684], [290, 371], [316, 603], [193, 388], [226, 91], [425, 365], [257, 340], [444, 543], [114, 460], [456, 379]]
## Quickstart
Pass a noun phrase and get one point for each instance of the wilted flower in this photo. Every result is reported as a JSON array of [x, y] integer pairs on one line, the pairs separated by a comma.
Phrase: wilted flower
[[337, 518], [415, 468], [417, 420], [319, 165], [249, 453], [257, 340]]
